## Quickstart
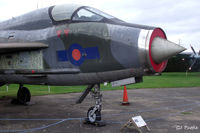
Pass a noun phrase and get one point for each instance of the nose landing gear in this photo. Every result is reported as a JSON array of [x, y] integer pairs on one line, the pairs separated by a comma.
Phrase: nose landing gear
[[94, 112]]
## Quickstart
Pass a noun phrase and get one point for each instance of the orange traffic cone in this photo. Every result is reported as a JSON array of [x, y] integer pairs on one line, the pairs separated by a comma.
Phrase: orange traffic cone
[[125, 97]]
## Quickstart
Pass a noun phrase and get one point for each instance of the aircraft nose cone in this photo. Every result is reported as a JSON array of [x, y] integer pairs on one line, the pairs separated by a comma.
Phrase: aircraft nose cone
[[163, 49]]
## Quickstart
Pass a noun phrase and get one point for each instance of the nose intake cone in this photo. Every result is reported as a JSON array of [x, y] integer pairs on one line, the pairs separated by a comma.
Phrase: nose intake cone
[[163, 49]]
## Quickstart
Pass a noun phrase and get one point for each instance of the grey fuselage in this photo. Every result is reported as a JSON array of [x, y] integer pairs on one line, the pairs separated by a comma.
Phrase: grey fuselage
[[78, 52]]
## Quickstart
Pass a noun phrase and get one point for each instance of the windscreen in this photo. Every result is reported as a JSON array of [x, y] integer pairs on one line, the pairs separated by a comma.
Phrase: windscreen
[[91, 14], [100, 12]]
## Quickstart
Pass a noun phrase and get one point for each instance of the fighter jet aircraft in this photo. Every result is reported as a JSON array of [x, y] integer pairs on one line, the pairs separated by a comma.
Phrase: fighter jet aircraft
[[79, 45]]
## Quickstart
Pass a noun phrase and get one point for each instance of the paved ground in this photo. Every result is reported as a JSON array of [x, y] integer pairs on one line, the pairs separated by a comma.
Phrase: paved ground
[[166, 110]]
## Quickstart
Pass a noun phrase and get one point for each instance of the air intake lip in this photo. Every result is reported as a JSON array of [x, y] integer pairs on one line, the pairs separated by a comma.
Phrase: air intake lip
[[160, 50], [157, 67]]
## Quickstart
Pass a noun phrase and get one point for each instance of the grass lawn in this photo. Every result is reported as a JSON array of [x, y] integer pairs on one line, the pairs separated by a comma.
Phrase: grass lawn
[[167, 80]]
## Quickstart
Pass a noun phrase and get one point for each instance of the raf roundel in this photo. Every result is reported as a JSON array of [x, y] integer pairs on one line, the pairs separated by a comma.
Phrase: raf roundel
[[75, 54]]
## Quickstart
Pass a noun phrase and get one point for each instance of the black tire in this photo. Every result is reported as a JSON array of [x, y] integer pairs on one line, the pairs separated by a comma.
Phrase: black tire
[[23, 95], [95, 117]]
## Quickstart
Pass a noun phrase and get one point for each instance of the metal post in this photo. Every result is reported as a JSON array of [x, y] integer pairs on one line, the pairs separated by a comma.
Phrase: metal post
[[49, 89], [6, 87]]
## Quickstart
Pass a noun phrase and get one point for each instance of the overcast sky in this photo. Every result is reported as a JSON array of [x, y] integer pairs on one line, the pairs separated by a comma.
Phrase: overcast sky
[[180, 19]]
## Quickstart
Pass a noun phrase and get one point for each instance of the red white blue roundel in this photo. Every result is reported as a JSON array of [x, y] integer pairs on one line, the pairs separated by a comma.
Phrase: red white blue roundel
[[76, 54]]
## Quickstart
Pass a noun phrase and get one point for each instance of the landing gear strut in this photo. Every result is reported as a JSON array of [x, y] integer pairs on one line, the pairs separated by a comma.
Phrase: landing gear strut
[[94, 112]]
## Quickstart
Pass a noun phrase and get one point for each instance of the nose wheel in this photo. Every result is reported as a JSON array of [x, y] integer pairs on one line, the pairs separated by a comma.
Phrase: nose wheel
[[93, 115]]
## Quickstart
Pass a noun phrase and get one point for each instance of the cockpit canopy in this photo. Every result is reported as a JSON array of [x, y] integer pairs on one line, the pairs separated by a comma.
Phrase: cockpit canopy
[[78, 13]]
